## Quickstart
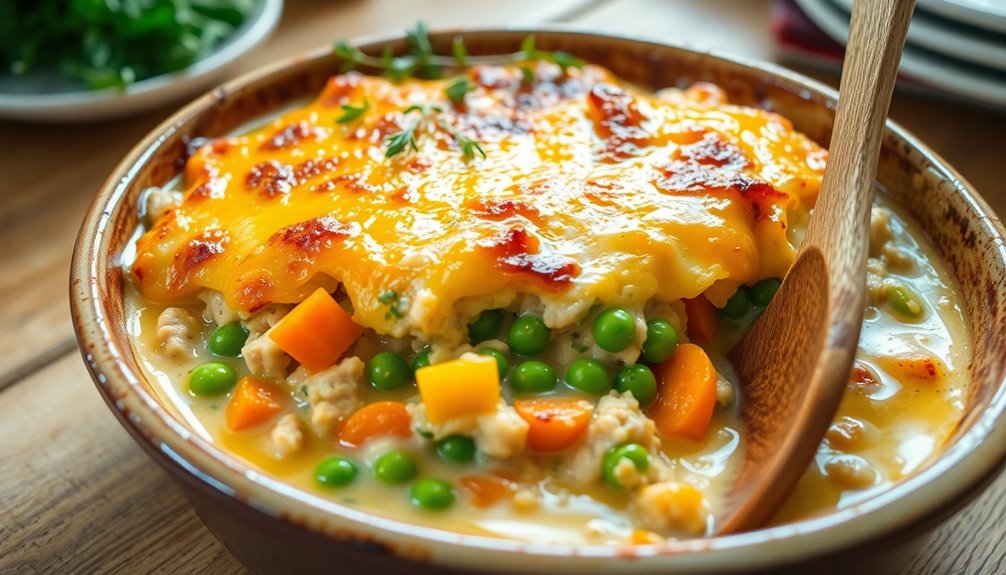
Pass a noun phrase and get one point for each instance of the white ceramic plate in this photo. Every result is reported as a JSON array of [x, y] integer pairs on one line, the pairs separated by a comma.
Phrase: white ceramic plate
[[965, 79], [988, 14], [50, 99], [951, 38]]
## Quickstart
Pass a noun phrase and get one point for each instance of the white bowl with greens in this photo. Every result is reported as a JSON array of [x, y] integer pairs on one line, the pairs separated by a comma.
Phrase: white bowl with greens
[[81, 61]]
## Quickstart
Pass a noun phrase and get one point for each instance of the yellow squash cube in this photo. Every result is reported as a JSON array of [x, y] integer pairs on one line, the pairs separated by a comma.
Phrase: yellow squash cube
[[462, 387]]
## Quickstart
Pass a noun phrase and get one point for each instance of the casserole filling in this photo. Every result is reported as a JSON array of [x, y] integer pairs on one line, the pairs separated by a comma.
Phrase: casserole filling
[[501, 304]]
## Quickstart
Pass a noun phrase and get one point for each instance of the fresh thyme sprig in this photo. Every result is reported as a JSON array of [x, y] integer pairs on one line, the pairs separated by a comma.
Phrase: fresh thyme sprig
[[405, 139], [351, 113], [421, 62]]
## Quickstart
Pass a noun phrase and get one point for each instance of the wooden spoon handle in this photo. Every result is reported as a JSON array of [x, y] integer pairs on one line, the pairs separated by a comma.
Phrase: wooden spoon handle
[[876, 36]]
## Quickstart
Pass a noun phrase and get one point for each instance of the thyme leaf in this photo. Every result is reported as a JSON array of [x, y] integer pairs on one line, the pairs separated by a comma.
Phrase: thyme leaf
[[457, 89], [351, 113]]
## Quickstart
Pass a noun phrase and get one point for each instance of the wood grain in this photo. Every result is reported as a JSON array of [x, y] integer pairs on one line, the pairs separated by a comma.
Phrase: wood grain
[[82, 497], [77, 495]]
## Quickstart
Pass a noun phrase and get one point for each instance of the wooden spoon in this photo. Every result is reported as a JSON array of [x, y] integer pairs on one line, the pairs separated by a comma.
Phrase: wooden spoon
[[795, 361]]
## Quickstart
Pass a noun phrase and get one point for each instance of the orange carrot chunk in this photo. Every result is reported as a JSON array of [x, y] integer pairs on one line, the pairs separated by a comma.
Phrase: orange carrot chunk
[[252, 403], [703, 320], [555, 422], [486, 490], [317, 332], [686, 393], [374, 420]]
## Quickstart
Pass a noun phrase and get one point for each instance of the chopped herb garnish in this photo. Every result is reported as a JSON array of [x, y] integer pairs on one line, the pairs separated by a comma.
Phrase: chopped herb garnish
[[398, 142], [460, 52], [302, 391], [527, 74], [396, 305], [351, 113], [457, 89], [420, 61]]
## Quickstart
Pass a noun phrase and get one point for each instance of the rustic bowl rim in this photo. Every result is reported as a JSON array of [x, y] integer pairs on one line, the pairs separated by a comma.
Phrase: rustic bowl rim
[[960, 469]]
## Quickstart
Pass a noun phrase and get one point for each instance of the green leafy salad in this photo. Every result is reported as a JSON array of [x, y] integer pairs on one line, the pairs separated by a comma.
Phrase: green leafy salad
[[113, 43]]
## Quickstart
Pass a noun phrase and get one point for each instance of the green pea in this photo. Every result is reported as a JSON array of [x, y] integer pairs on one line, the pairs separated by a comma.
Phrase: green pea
[[432, 494], [486, 326], [533, 377], [634, 452], [738, 304], [227, 340], [528, 335], [212, 378], [661, 340], [614, 329], [335, 471], [421, 360], [639, 380], [457, 448], [762, 292], [395, 467], [387, 370], [589, 376], [904, 301], [501, 360]]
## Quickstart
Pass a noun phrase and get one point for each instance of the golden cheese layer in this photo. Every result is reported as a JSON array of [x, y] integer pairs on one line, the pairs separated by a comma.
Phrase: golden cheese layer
[[590, 191]]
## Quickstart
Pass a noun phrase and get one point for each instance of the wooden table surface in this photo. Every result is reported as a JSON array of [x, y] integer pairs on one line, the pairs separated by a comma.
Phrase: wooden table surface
[[77, 496]]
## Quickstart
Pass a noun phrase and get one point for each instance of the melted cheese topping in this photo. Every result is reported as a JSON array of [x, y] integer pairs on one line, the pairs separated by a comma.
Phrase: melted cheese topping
[[590, 191]]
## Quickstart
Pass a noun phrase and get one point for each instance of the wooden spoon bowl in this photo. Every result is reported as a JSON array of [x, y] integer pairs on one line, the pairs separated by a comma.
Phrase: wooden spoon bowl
[[794, 362]]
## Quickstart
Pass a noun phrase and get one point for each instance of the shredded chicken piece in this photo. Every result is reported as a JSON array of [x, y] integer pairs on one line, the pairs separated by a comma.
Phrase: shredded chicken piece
[[616, 420], [216, 309], [264, 358], [177, 332], [333, 394], [501, 434], [671, 507], [286, 436]]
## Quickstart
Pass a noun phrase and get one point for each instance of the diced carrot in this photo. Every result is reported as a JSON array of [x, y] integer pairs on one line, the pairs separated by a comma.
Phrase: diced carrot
[[644, 537], [252, 403], [459, 388], [486, 490], [374, 420], [555, 422], [915, 365], [703, 320], [686, 393], [316, 332]]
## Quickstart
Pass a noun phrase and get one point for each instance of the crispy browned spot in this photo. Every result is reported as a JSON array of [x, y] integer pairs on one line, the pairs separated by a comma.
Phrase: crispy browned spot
[[314, 235], [617, 121], [254, 290], [517, 251], [497, 209], [314, 167], [270, 178], [193, 255], [340, 88], [290, 136], [212, 188], [713, 150]]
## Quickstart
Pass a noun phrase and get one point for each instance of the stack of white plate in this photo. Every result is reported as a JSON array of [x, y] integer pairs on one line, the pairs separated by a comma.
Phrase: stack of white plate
[[955, 46]]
